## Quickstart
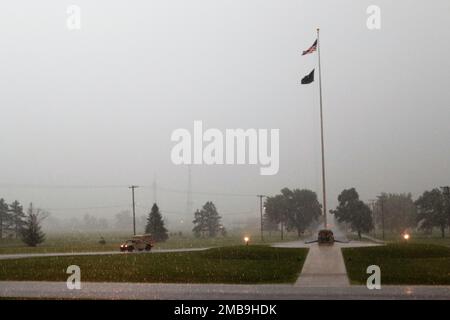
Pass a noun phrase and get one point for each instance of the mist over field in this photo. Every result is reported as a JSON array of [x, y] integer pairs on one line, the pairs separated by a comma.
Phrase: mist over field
[[87, 113]]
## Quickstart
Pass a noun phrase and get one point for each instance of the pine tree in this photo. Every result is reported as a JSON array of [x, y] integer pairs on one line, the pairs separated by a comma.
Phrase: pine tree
[[31, 232], [17, 217], [207, 220], [155, 225], [200, 223], [213, 219]]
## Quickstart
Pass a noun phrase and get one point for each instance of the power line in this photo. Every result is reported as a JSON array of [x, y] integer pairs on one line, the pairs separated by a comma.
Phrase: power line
[[87, 208], [207, 193], [184, 213], [43, 186]]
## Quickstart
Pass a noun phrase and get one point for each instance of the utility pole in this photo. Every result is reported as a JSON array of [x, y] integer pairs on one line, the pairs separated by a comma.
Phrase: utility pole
[[446, 193], [372, 206], [382, 214], [260, 196], [155, 190], [134, 208], [189, 202]]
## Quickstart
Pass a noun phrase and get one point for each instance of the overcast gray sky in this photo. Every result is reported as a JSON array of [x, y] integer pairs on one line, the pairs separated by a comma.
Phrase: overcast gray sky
[[97, 106]]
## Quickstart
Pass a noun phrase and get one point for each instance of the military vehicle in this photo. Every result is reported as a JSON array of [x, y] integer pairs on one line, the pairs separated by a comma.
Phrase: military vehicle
[[138, 242], [326, 237]]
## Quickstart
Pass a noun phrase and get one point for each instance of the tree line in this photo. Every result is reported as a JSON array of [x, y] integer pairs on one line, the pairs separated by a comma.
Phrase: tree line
[[299, 209], [291, 210], [14, 222]]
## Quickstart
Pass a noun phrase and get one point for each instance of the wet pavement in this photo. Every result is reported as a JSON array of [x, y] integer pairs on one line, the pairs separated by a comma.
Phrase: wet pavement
[[145, 291], [65, 254], [324, 267]]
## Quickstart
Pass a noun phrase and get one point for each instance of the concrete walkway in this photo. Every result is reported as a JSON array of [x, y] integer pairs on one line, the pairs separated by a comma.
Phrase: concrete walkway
[[324, 267]]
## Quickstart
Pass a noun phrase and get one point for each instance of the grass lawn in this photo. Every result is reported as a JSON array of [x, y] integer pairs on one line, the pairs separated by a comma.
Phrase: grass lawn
[[85, 242], [400, 263], [416, 237], [237, 264], [431, 240]]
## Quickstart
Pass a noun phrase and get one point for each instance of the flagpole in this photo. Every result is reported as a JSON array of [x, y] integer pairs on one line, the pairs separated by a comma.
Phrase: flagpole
[[324, 193]]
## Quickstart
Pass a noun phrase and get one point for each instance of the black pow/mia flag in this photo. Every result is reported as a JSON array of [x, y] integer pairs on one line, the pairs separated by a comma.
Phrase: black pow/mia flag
[[309, 78]]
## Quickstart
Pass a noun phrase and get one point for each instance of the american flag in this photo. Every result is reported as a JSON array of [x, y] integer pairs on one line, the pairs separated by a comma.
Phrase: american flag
[[311, 49]]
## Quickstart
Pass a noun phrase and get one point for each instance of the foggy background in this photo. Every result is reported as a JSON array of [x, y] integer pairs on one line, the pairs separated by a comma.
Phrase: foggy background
[[86, 113]]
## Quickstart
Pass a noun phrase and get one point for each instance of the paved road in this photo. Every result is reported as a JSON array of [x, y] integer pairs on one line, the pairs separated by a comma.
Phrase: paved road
[[147, 291], [293, 244], [36, 255]]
